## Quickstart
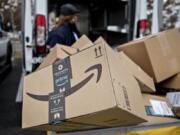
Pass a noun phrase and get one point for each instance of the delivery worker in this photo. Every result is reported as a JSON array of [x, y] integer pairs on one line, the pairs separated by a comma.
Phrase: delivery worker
[[66, 32]]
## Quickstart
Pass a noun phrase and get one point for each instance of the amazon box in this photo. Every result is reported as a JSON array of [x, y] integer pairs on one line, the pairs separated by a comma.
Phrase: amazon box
[[174, 100], [146, 83], [88, 88], [154, 55], [158, 110]]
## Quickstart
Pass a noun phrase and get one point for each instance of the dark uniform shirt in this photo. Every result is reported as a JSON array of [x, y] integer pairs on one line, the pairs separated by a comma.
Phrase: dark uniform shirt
[[62, 35]]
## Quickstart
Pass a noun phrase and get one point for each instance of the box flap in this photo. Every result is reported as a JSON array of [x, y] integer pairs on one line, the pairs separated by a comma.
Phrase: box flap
[[82, 43], [145, 81], [99, 40], [138, 53]]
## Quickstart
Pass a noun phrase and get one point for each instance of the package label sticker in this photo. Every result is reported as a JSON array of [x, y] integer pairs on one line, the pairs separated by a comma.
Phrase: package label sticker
[[56, 107], [62, 74], [174, 98], [161, 108]]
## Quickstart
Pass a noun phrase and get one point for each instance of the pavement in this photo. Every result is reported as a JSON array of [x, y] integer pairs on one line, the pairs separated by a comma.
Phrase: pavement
[[10, 111]]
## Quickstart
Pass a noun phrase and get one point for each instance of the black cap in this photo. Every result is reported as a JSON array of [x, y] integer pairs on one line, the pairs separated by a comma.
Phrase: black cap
[[68, 9]]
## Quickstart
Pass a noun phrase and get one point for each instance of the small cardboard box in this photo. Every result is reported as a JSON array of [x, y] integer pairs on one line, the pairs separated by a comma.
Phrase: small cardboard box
[[154, 55], [88, 88], [146, 83], [158, 110]]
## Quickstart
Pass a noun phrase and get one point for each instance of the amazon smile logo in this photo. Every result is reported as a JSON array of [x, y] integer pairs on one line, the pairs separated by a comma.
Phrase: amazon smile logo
[[97, 67]]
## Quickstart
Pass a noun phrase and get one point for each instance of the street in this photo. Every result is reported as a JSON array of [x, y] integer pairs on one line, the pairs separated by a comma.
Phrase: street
[[10, 111]]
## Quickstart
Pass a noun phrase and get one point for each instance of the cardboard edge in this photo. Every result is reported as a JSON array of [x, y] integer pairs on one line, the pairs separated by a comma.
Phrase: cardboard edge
[[100, 39]]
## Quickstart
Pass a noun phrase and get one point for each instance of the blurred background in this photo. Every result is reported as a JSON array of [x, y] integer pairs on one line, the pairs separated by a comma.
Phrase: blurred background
[[117, 21]]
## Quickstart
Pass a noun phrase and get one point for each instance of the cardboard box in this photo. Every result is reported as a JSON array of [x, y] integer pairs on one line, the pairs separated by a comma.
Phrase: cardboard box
[[146, 83], [154, 55], [160, 104], [98, 92], [174, 100], [173, 37]]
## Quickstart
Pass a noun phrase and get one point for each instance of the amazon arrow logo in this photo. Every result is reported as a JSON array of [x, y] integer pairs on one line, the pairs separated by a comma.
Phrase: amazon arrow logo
[[75, 88]]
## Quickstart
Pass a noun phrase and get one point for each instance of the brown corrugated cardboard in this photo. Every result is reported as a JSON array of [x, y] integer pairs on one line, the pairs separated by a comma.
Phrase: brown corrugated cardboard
[[101, 92], [82, 43], [58, 52], [172, 83], [145, 81], [156, 119], [173, 37], [154, 55]]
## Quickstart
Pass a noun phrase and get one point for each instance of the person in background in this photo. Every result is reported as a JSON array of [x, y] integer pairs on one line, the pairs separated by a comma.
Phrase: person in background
[[65, 32]]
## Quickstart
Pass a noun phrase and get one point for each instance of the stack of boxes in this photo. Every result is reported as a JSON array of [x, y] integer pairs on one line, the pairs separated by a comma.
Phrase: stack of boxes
[[90, 86], [158, 55]]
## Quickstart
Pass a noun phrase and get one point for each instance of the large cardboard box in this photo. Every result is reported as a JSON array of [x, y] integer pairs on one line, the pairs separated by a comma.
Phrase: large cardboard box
[[89, 88], [146, 83], [154, 55], [173, 37], [158, 110]]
